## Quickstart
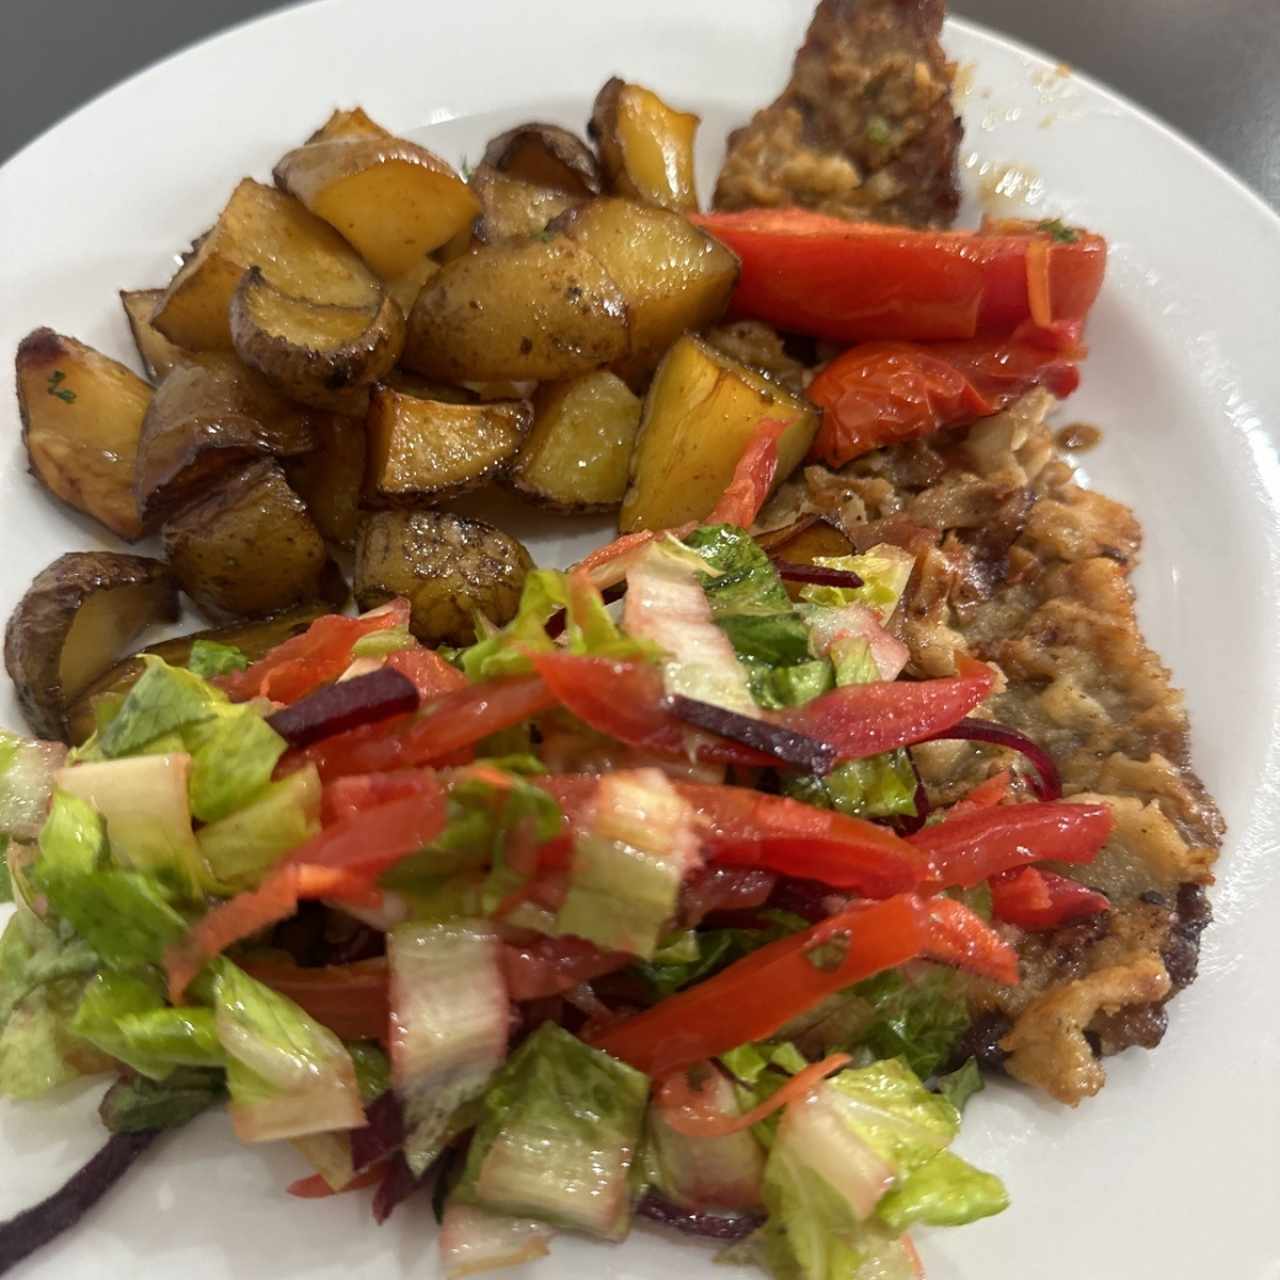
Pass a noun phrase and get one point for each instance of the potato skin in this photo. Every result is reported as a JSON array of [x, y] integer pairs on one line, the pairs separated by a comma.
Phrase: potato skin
[[248, 548], [646, 147], [448, 567], [157, 353], [206, 417], [512, 209], [329, 478], [82, 418], [39, 628], [545, 155], [538, 309]]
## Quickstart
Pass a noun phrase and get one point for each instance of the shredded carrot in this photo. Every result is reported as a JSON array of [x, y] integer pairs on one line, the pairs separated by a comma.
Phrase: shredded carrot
[[1039, 293], [316, 1188], [682, 1109]]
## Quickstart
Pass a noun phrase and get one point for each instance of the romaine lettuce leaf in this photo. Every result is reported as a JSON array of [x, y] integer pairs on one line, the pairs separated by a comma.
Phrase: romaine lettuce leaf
[[918, 1015], [209, 658], [134, 1104], [885, 571], [27, 769], [961, 1084], [73, 840], [164, 699], [877, 787], [233, 754], [6, 881], [943, 1192], [378, 644]]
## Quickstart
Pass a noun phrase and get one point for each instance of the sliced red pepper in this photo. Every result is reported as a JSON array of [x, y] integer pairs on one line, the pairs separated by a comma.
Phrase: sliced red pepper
[[320, 654], [437, 733], [754, 997], [856, 281], [1034, 899], [972, 847], [430, 673], [350, 999], [316, 1188], [862, 720], [961, 938], [350, 796], [882, 393]]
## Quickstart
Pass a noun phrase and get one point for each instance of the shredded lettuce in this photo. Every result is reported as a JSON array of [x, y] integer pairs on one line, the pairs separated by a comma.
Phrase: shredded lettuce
[[27, 769], [918, 1015], [373, 1069], [233, 754], [748, 1062], [885, 571], [164, 700], [6, 881], [877, 787], [943, 1192], [137, 1103], [209, 658], [379, 644], [961, 1084], [557, 1136]]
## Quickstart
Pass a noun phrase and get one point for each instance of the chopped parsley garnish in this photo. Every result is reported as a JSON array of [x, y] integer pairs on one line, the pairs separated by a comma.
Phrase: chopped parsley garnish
[[65, 394], [1058, 230]]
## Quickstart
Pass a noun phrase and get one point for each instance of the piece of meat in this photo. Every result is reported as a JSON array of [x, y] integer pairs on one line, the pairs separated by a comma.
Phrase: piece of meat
[[865, 129]]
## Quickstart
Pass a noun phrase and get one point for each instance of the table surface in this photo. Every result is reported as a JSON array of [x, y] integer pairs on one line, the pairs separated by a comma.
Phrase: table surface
[[1206, 66]]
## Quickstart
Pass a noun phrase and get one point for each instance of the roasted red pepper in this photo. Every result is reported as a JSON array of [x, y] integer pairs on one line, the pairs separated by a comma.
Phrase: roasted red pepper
[[968, 848], [1035, 899], [858, 282], [881, 393], [350, 999]]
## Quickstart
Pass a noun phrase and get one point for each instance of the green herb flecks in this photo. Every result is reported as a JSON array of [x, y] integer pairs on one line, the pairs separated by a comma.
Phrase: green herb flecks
[[55, 388]]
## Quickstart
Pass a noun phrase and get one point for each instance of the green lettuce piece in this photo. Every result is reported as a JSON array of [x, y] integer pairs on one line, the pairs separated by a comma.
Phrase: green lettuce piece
[[885, 571], [33, 954], [73, 840], [6, 881], [125, 1015], [556, 1137], [27, 771], [373, 1068], [877, 787], [918, 1015], [209, 658], [895, 1115], [961, 1084], [135, 1104], [240, 848], [378, 644], [233, 754], [944, 1192], [287, 1075], [164, 700], [749, 1062]]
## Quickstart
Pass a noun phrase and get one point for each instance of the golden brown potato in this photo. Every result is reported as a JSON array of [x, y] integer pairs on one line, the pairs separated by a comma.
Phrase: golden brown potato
[[701, 412], [344, 125], [82, 416], [72, 624], [674, 277], [447, 567], [428, 450], [540, 309], [298, 253], [253, 639], [248, 548], [206, 417], [316, 354], [511, 209], [392, 199], [646, 147], [414, 384], [329, 478], [157, 353], [545, 155], [575, 458], [405, 289]]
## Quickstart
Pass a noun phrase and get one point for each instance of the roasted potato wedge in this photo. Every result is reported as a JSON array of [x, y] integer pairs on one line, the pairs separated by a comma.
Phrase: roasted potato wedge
[[447, 567], [575, 458], [253, 639], [674, 277], [329, 479], [248, 548], [392, 199], [316, 354], [82, 417], [157, 353], [646, 147], [76, 618], [545, 155], [538, 309], [344, 125], [511, 209], [206, 417], [299, 254], [405, 289], [429, 450], [701, 411]]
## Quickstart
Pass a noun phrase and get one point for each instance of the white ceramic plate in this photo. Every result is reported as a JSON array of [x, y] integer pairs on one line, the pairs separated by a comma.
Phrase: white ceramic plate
[[1174, 1170]]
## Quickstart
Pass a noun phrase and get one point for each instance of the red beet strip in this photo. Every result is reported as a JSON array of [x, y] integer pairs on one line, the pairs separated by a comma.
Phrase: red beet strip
[[345, 705]]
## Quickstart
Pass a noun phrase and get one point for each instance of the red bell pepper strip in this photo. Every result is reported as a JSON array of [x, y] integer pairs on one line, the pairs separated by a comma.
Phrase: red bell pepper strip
[[438, 732], [749, 487], [862, 720], [316, 1188], [1034, 899], [320, 654], [430, 673], [857, 282], [971, 847], [545, 966], [882, 393], [350, 999], [755, 996], [351, 796]]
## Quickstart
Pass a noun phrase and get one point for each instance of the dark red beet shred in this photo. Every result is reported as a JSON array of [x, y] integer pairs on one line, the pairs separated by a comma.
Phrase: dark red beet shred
[[1045, 781], [345, 705], [36, 1227], [382, 1134], [818, 574], [783, 744], [697, 1222]]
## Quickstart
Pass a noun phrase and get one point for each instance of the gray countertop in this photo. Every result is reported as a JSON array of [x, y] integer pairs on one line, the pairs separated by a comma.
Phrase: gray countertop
[[1206, 66]]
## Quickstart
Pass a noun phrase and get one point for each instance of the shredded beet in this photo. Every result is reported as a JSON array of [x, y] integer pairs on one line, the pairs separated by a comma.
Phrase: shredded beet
[[36, 1227], [398, 1184], [382, 1134], [1045, 781], [694, 1222], [345, 705], [820, 575], [783, 744]]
